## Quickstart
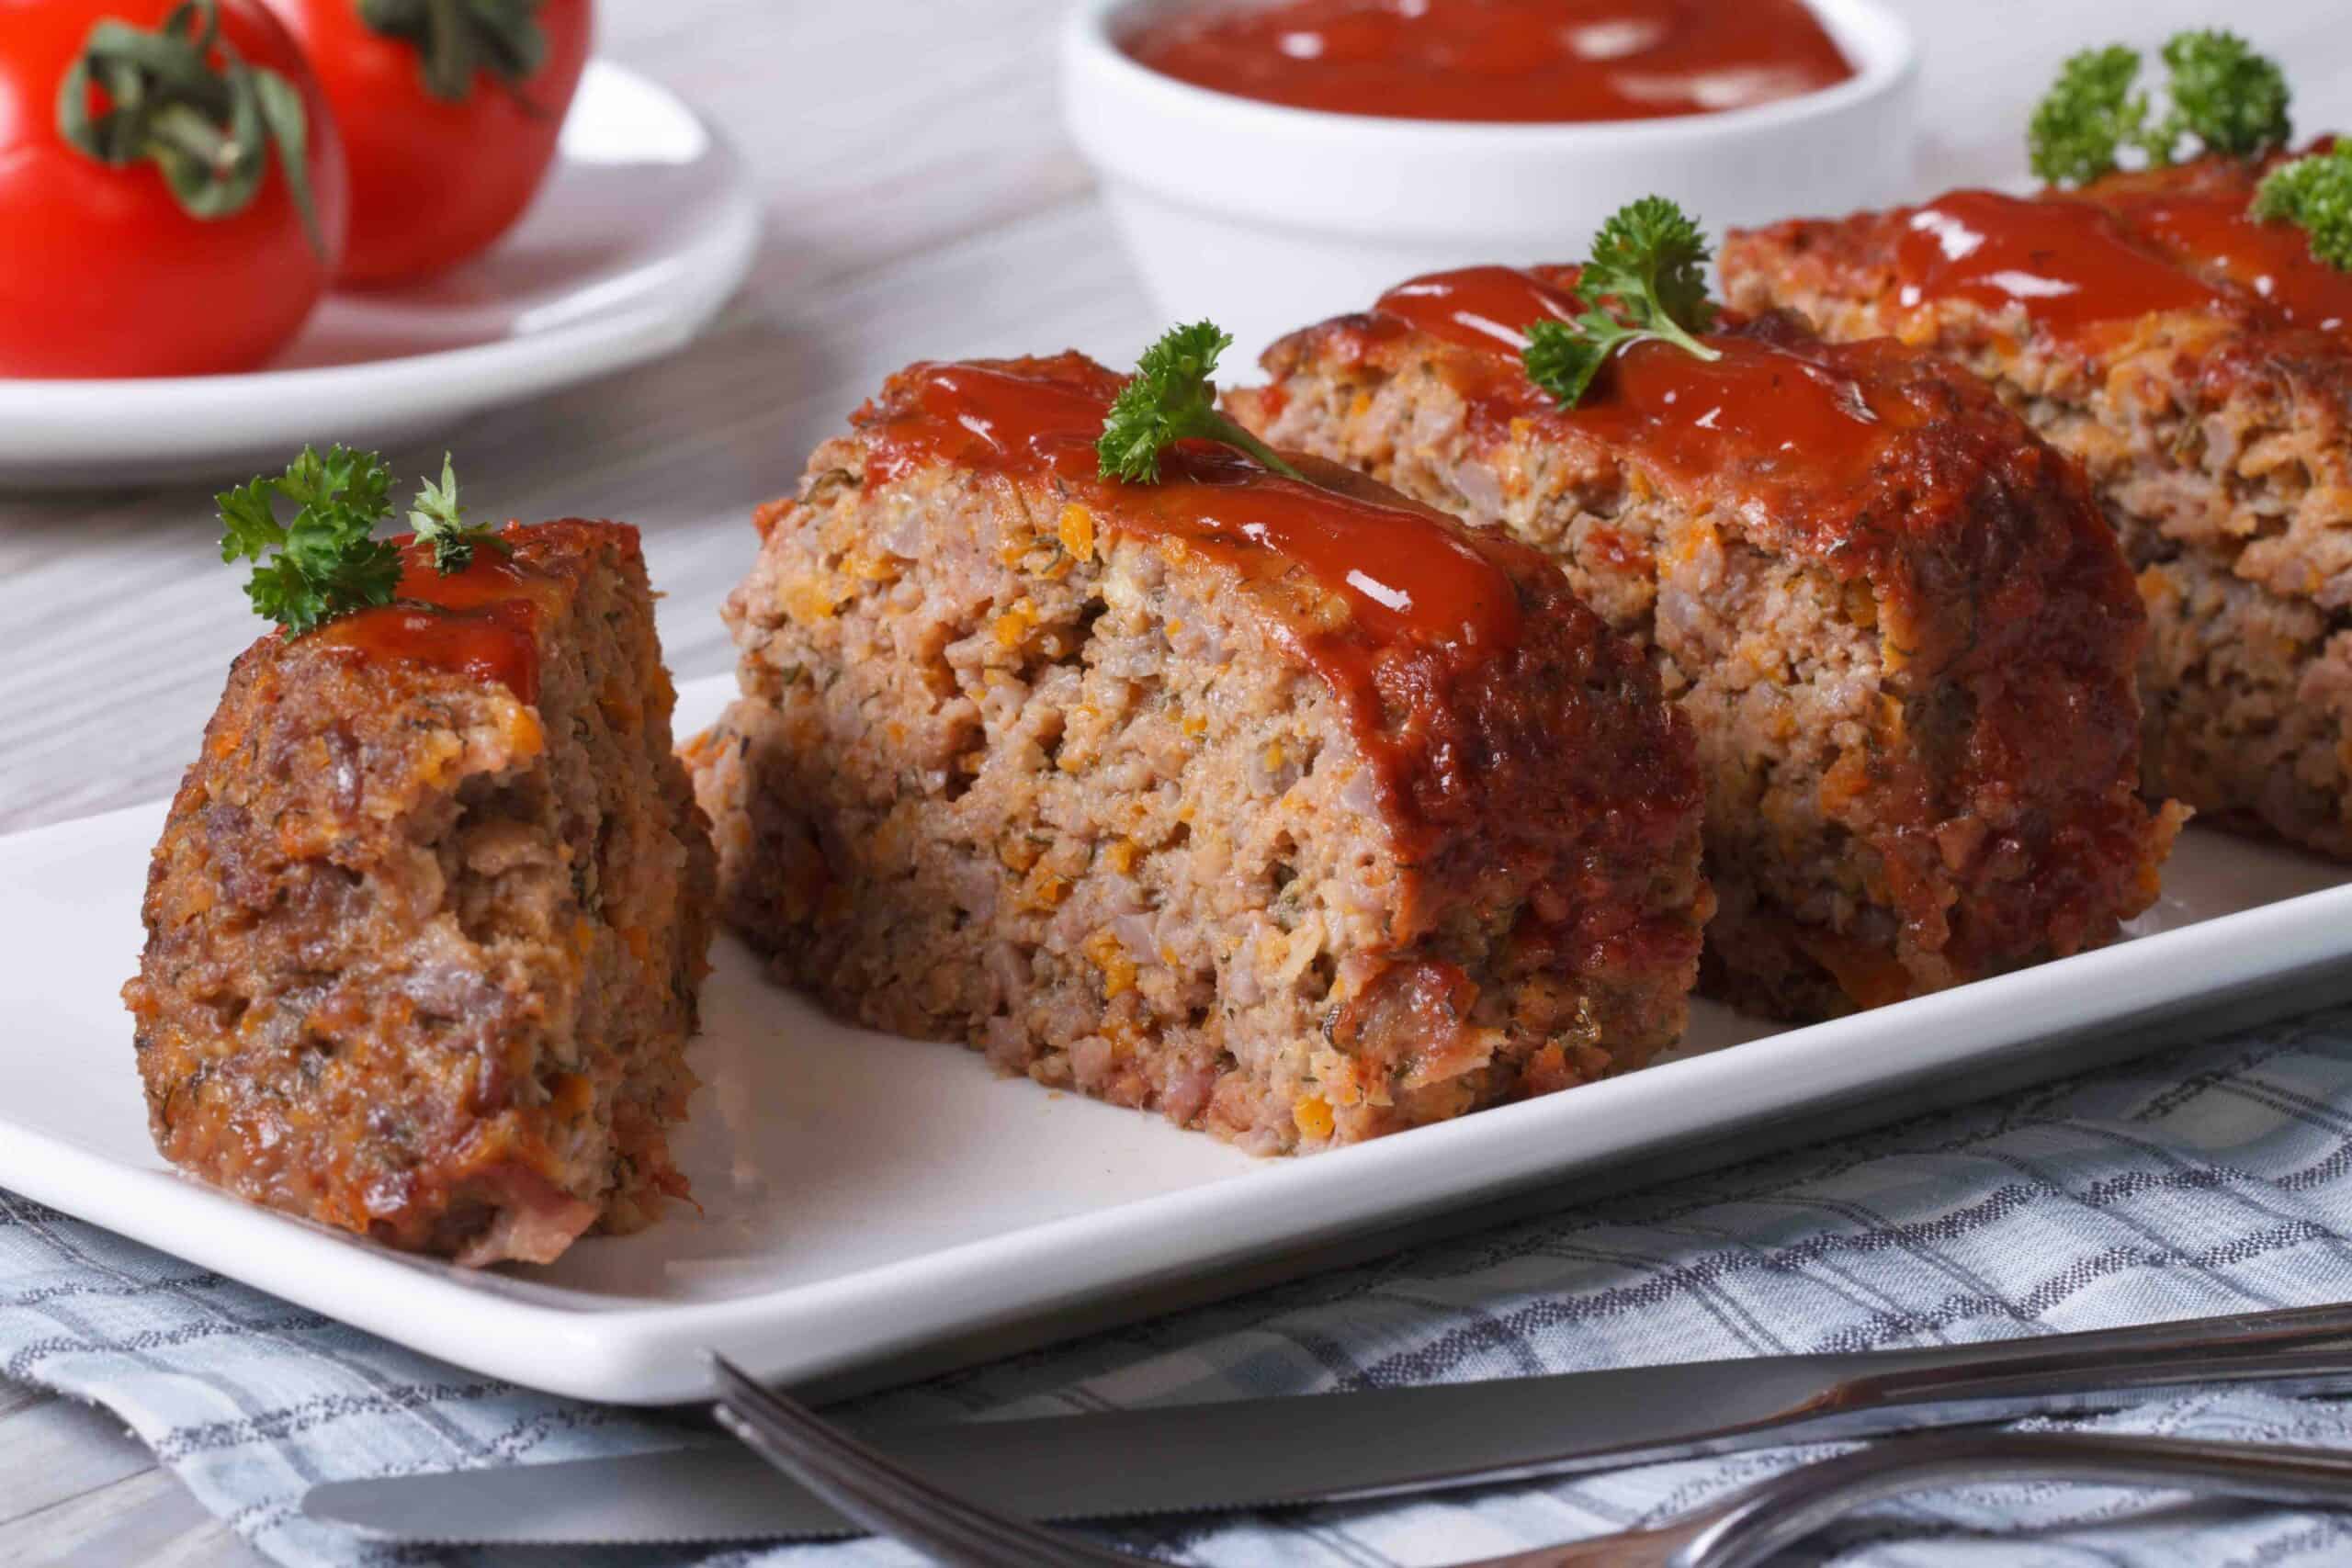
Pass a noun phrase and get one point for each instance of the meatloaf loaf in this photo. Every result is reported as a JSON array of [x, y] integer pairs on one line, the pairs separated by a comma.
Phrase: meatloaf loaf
[[2193, 359], [1291, 809], [2198, 215], [1900, 631], [426, 925]]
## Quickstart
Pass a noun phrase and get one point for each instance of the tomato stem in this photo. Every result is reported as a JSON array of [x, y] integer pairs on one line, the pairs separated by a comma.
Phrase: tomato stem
[[455, 39], [208, 124]]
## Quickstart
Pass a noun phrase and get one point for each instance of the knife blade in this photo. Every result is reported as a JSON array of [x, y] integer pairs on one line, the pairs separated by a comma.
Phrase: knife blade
[[1179, 1458]]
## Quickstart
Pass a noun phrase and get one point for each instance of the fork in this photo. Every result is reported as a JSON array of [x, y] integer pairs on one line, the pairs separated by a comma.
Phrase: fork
[[1743, 1530]]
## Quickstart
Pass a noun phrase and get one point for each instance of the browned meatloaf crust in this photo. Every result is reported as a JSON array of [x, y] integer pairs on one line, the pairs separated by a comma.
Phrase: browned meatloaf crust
[[1298, 814], [1900, 631], [2216, 426], [426, 925]]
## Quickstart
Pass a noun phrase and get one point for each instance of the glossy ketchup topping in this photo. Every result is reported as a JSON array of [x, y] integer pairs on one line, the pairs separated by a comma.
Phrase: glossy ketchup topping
[[1760, 411], [2072, 267], [1528, 61], [1413, 585], [2211, 229], [481, 622], [1485, 308]]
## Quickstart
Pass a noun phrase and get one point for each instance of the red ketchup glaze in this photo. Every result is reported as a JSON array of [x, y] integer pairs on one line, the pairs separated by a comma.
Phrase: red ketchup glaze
[[1528, 61], [2073, 267], [1413, 585], [1485, 308], [1760, 409], [481, 623], [2212, 231]]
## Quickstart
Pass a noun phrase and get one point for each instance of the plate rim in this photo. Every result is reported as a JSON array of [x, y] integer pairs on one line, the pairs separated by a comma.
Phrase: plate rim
[[621, 1350]]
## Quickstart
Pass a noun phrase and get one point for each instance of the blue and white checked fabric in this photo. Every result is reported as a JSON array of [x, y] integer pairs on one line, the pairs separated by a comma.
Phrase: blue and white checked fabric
[[2208, 1180]]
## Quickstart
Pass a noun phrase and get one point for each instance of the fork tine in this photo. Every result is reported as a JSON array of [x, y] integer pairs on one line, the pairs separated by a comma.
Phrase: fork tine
[[874, 1502], [884, 1496], [941, 1533], [956, 1530], [884, 1501]]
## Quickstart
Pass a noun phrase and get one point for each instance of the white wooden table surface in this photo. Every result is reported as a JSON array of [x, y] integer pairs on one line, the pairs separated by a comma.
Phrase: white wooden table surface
[[921, 202]]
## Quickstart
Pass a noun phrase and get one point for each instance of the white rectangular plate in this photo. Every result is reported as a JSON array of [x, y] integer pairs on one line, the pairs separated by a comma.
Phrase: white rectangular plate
[[865, 1201]]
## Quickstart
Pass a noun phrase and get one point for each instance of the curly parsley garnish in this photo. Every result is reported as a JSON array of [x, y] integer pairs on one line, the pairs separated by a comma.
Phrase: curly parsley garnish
[[1646, 282], [2223, 97], [2232, 99], [2315, 194], [440, 522], [1172, 398], [2087, 116], [327, 562]]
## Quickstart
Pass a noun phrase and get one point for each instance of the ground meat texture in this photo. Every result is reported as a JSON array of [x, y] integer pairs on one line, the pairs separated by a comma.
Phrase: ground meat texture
[[1298, 814], [426, 923], [1902, 634], [2198, 370]]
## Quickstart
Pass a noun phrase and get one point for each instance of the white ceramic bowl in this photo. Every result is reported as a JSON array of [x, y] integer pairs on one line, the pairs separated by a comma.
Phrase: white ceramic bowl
[[1265, 218]]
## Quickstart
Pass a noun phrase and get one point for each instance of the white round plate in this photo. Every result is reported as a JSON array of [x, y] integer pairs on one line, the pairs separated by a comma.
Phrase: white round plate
[[644, 229]]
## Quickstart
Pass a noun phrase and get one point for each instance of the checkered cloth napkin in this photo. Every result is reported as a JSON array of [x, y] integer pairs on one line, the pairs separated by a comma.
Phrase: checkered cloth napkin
[[2208, 1180]]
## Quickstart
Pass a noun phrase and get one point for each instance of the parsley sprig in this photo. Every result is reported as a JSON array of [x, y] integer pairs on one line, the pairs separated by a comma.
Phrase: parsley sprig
[[2230, 98], [1171, 398], [2088, 115], [326, 561], [2221, 95], [1645, 282], [440, 522], [2315, 194]]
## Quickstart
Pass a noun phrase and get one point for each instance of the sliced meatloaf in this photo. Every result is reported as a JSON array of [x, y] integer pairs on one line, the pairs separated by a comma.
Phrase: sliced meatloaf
[[426, 925], [1293, 811], [2197, 215], [2167, 341], [1900, 631]]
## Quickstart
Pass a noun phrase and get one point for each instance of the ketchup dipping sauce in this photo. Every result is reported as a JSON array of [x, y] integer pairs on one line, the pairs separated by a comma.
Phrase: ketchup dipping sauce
[[1523, 61]]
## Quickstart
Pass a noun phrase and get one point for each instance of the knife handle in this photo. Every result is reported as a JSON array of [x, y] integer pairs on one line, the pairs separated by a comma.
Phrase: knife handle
[[2306, 1349]]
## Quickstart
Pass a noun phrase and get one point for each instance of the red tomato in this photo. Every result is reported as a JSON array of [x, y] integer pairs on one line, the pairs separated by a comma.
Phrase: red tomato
[[103, 272], [435, 178]]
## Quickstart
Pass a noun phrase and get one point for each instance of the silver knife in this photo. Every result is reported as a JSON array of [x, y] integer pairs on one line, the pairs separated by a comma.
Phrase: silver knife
[[1251, 1453]]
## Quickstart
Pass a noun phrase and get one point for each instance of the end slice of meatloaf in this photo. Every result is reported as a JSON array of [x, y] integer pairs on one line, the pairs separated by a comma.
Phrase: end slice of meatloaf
[[426, 925], [1894, 618], [2199, 215], [1293, 811], [2215, 424]]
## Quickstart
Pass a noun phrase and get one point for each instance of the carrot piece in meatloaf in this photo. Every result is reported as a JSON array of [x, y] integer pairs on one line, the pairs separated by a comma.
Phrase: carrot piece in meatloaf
[[1294, 810], [2196, 362], [425, 926], [1901, 630]]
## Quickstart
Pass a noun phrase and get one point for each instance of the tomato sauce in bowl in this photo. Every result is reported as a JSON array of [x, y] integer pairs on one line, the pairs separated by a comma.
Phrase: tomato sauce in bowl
[[1552, 62]]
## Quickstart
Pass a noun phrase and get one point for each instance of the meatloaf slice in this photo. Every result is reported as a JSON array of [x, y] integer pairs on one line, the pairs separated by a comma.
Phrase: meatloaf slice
[[426, 925], [1293, 811], [1894, 618], [2215, 423], [2198, 215]]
